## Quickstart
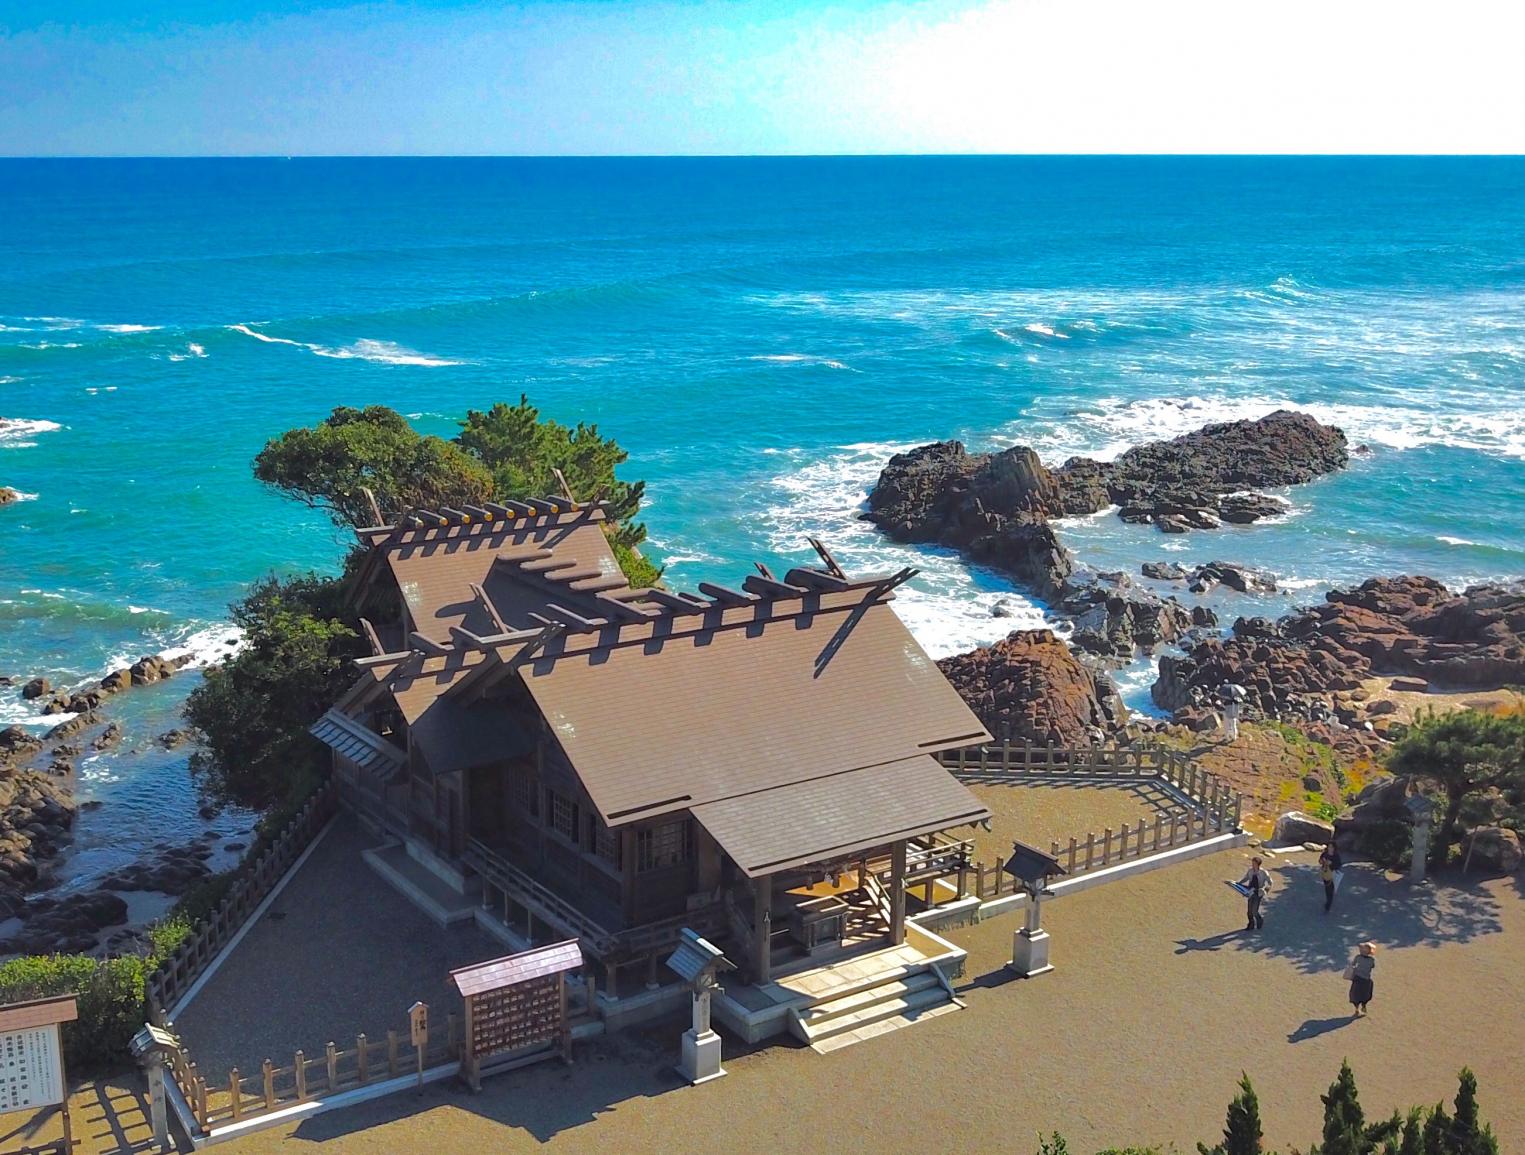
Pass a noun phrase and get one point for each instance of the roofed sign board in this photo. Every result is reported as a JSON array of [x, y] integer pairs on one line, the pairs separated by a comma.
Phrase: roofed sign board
[[31, 1053], [517, 1004]]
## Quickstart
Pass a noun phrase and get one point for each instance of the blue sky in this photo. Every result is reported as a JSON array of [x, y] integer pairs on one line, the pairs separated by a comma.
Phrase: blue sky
[[227, 77]]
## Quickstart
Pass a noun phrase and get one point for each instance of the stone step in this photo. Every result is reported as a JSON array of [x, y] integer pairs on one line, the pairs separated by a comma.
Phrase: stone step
[[868, 1021], [848, 987], [884, 1026], [883, 991]]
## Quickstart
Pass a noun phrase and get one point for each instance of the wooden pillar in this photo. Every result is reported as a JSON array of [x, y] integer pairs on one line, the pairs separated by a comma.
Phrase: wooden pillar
[[762, 927], [897, 892]]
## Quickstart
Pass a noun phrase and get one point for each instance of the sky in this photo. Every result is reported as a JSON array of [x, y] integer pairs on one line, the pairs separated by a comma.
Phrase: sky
[[695, 77]]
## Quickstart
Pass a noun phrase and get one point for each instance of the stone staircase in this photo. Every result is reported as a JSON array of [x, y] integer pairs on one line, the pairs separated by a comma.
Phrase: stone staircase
[[883, 1002]]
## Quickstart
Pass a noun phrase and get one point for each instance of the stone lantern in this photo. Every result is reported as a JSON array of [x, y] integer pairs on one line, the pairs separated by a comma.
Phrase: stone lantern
[[151, 1047], [696, 962], [1032, 868], [1422, 815]]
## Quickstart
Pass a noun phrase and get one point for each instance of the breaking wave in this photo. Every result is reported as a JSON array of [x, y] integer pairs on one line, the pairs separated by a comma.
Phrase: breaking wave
[[365, 349]]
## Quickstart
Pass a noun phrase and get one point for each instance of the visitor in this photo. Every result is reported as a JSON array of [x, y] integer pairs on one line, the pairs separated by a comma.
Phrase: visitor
[[1359, 974], [1255, 885], [1329, 873]]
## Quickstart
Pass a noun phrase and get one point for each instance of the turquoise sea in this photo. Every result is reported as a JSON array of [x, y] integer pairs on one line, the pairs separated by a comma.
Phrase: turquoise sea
[[760, 335]]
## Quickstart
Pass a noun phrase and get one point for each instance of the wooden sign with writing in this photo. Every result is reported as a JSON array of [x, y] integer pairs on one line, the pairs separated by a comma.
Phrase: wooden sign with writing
[[31, 1068]]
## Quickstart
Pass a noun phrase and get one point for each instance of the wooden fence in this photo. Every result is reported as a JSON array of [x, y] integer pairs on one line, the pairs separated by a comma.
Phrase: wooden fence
[[1207, 807], [249, 1095], [175, 974]]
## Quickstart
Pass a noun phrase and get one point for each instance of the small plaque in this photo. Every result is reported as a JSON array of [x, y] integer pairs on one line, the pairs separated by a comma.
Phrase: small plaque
[[418, 1024]]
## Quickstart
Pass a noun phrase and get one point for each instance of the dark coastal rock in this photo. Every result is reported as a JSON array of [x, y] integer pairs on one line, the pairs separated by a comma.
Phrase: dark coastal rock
[[73, 726], [8, 495], [172, 871], [1245, 508], [1166, 571], [67, 925], [16, 743], [1114, 619], [173, 739], [1029, 686], [36, 688], [109, 738], [1237, 577], [36, 814], [1307, 666]]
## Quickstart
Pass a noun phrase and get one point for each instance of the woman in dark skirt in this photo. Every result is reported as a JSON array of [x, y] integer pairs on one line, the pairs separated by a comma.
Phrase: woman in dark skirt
[[1360, 976]]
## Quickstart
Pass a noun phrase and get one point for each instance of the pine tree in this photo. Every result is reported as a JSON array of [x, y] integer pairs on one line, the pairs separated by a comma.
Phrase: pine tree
[[1413, 1134], [1466, 1136], [1437, 1132], [1241, 1130], [1344, 1133]]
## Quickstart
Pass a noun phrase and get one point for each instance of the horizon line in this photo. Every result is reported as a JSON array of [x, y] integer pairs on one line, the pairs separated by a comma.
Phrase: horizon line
[[777, 156]]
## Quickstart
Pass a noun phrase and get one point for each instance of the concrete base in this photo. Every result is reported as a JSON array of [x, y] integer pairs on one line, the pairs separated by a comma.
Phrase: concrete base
[[701, 1057], [1029, 953]]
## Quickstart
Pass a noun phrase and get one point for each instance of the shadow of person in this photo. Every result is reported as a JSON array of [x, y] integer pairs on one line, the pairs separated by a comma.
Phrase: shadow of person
[[1216, 942], [1313, 1028]]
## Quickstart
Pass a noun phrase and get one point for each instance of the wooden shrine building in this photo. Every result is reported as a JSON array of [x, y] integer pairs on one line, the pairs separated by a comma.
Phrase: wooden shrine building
[[756, 763]]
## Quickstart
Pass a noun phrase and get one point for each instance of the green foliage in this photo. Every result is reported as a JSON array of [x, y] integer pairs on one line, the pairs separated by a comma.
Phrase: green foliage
[[1468, 1136], [1344, 1121], [253, 711], [329, 466], [1054, 1144], [1464, 752], [524, 451], [1389, 844], [110, 993], [1241, 1128]]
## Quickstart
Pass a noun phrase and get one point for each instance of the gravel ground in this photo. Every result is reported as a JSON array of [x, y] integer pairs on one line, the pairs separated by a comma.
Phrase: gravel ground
[[1039, 813], [1158, 1002], [340, 952]]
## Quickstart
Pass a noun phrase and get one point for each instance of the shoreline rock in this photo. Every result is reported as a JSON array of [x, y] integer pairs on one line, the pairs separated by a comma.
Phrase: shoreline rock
[[1308, 666], [995, 509], [1030, 686]]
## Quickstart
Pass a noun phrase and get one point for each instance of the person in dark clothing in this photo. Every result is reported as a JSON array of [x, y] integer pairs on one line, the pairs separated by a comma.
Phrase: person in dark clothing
[[1360, 969], [1329, 873], [1256, 884]]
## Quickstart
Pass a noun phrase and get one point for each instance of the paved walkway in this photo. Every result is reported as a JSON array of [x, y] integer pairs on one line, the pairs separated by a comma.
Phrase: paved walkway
[[1158, 1003], [339, 952]]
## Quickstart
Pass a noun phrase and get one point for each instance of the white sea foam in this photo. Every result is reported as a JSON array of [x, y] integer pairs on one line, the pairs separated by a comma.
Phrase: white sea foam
[[949, 606], [16, 432], [365, 349], [129, 328], [1109, 426], [1453, 540], [1043, 330], [207, 645], [800, 359], [191, 350], [53, 345], [24, 496]]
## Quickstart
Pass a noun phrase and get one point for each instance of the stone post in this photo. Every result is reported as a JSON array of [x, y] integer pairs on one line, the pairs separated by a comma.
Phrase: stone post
[[1421, 851], [158, 1115], [1029, 946]]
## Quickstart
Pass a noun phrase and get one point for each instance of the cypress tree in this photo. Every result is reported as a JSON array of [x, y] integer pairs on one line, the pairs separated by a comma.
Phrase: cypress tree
[[1467, 1137], [1344, 1133], [1437, 1132], [1413, 1134]]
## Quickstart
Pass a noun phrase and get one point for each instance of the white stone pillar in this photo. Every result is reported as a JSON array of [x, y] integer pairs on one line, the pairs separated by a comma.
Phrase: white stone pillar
[[1421, 851]]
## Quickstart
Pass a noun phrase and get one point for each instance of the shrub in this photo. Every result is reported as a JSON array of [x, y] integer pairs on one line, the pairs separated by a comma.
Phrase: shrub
[[110, 993], [1389, 844]]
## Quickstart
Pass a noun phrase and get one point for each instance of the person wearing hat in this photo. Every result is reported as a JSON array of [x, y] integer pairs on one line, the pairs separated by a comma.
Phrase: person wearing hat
[[1255, 884], [1359, 974]]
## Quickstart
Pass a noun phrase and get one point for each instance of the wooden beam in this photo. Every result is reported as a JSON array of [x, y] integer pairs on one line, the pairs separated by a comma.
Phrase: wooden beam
[[492, 610], [572, 618], [616, 609], [565, 488], [603, 583], [682, 603], [826, 559], [815, 579], [762, 928], [565, 574], [382, 659], [428, 645], [519, 508], [725, 595], [771, 587], [371, 637], [541, 506], [547, 563], [470, 686]]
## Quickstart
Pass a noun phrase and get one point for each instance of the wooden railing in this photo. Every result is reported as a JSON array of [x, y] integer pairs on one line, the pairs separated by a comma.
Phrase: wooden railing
[[544, 902], [255, 879], [244, 1096], [1207, 807]]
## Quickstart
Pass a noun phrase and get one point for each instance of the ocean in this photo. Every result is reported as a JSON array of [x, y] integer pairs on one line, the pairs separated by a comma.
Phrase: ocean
[[760, 335]]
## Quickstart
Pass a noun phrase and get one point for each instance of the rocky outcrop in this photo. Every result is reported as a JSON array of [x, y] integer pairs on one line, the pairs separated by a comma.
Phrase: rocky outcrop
[[1114, 619], [1295, 828], [8, 495], [66, 925], [1494, 849], [172, 870], [36, 815], [1029, 686], [145, 671], [1382, 801], [1307, 665], [996, 509], [1243, 578], [36, 688]]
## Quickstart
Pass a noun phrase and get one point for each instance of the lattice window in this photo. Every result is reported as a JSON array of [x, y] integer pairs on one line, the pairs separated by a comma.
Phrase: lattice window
[[659, 847], [606, 842], [563, 812], [526, 794]]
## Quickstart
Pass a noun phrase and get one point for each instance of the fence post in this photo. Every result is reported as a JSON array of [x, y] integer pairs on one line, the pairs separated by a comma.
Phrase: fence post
[[984, 758], [1072, 857], [1090, 848], [1238, 806], [1006, 753], [960, 757], [1158, 821], [203, 1116], [1106, 847], [1027, 753], [1122, 847], [236, 1092], [333, 1068], [1138, 841], [360, 1057], [391, 1052], [268, 1071], [301, 1070]]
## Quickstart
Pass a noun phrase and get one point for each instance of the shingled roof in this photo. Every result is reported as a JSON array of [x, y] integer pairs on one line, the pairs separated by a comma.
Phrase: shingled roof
[[807, 692]]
